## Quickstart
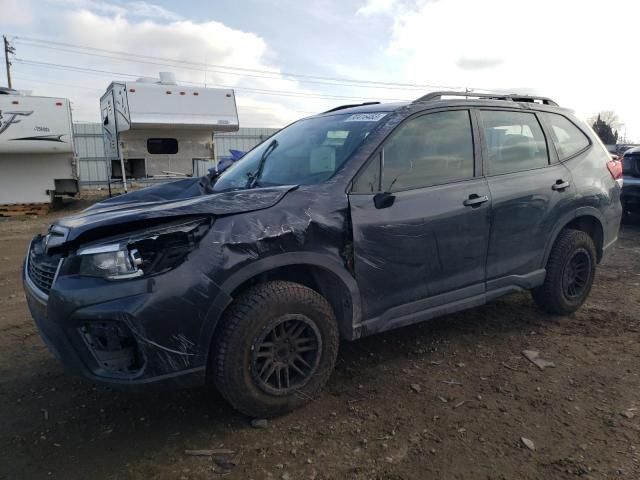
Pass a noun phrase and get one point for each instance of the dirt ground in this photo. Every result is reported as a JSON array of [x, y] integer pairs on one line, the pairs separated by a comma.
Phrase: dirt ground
[[448, 399]]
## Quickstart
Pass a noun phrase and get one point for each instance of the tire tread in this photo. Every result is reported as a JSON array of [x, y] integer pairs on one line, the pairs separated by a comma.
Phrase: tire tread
[[549, 296], [250, 305]]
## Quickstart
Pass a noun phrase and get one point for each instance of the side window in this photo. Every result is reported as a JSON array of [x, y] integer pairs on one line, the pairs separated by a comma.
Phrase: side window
[[567, 138], [429, 150], [515, 141], [369, 179]]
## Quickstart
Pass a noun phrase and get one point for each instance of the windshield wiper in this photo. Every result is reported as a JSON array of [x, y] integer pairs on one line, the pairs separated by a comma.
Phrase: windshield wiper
[[252, 179]]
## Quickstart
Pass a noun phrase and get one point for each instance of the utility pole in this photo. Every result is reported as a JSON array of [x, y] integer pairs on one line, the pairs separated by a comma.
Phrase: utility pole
[[7, 50]]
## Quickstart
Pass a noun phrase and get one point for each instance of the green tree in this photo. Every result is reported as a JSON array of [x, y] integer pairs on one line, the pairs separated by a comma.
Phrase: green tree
[[605, 127]]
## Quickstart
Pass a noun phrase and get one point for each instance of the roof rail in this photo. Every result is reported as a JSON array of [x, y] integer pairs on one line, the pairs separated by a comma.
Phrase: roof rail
[[512, 97], [342, 107]]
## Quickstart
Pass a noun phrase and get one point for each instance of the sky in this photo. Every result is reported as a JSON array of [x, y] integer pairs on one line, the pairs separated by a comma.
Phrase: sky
[[289, 59]]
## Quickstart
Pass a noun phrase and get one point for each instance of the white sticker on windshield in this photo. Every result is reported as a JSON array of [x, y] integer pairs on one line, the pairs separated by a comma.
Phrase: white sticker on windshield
[[365, 117]]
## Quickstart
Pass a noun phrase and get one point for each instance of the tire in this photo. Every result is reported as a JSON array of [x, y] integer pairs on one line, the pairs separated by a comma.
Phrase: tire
[[260, 327], [570, 272]]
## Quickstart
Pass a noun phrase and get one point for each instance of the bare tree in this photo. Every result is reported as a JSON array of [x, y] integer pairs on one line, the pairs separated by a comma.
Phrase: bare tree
[[608, 117]]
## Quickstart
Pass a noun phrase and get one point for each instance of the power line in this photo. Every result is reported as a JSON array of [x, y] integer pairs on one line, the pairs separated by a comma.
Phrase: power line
[[136, 60], [248, 89], [278, 74], [72, 85], [230, 70], [60, 84]]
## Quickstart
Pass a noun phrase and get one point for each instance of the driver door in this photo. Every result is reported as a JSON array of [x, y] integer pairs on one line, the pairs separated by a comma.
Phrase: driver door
[[421, 215]]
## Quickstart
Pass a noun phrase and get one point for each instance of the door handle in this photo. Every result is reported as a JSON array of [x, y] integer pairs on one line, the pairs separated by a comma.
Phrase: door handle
[[560, 185], [475, 200]]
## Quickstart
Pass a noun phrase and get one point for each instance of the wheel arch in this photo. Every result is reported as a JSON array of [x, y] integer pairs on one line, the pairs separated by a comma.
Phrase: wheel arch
[[586, 219], [326, 276]]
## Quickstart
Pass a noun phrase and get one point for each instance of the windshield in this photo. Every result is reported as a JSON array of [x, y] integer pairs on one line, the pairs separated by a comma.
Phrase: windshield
[[306, 152]]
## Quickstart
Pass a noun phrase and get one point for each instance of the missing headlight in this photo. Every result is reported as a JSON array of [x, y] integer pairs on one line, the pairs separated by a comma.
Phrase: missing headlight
[[148, 252], [164, 250]]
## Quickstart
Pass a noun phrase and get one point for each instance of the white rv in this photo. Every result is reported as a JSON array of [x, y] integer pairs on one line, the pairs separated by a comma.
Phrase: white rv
[[37, 155], [155, 128]]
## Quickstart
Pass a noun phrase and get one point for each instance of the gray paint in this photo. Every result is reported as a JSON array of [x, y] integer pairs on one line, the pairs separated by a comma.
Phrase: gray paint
[[428, 253]]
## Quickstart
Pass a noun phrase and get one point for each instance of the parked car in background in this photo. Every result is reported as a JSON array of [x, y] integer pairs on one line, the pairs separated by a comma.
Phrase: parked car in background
[[355, 221], [631, 182]]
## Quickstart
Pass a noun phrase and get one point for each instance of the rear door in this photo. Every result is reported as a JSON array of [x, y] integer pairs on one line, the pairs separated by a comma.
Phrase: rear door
[[530, 191], [420, 213]]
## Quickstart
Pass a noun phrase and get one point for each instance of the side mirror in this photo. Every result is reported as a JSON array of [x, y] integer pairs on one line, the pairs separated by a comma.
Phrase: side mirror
[[223, 164], [383, 200]]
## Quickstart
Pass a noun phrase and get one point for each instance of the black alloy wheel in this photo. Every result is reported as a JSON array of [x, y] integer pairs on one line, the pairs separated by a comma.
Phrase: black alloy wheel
[[577, 274], [569, 275], [286, 355], [275, 348]]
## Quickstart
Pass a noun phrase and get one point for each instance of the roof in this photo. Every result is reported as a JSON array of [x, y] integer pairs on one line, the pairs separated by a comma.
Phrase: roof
[[366, 108], [633, 150], [436, 99]]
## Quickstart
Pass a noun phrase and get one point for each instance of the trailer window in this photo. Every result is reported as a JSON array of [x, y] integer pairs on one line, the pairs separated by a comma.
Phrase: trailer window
[[162, 146], [133, 167]]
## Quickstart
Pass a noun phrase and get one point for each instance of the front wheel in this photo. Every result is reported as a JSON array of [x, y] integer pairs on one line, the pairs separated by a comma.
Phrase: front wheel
[[275, 349], [570, 272]]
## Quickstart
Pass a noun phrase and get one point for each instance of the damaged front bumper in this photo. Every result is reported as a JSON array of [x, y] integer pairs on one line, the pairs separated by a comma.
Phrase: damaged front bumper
[[133, 331]]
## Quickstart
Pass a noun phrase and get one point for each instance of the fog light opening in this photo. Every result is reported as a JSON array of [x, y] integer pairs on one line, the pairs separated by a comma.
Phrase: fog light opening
[[113, 346]]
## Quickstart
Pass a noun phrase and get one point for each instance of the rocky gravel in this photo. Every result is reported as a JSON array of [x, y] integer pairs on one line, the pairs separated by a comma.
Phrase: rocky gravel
[[454, 398]]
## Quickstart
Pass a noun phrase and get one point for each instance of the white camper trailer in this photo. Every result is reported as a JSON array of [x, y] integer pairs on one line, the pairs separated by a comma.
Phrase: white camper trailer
[[37, 156], [155, 128]]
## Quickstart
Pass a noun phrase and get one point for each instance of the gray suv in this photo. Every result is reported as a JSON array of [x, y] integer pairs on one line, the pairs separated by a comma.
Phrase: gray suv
[[348, 223]]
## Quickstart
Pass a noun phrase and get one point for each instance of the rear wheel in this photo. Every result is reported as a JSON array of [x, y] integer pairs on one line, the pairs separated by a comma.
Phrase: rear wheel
[[570, 272], [275, 349]]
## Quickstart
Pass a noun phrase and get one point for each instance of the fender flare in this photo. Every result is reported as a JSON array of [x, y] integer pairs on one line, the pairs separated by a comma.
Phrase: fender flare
[[258, 267], [586, 211]]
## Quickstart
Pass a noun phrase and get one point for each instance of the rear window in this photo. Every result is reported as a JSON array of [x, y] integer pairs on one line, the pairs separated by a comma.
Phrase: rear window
[[567, 138]]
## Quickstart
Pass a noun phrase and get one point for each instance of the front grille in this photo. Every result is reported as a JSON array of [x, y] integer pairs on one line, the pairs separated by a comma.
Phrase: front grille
[[42, 268]]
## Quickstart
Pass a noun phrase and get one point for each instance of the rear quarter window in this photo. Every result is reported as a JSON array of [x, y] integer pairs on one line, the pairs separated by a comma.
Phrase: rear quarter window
[[567, 138]]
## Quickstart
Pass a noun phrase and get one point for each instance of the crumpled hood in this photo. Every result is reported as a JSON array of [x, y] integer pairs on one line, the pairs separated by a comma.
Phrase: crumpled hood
[[152, 203]]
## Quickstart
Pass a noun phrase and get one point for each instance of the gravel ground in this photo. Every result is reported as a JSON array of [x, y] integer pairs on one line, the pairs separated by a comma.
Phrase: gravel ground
[[452, 398]]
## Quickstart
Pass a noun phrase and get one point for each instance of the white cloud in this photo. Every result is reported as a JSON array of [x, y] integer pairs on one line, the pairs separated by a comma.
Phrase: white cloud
[[577, 52], [144, 9], [565, 49], [213, 43], [16, 13], [376, 7], [138, 8]]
